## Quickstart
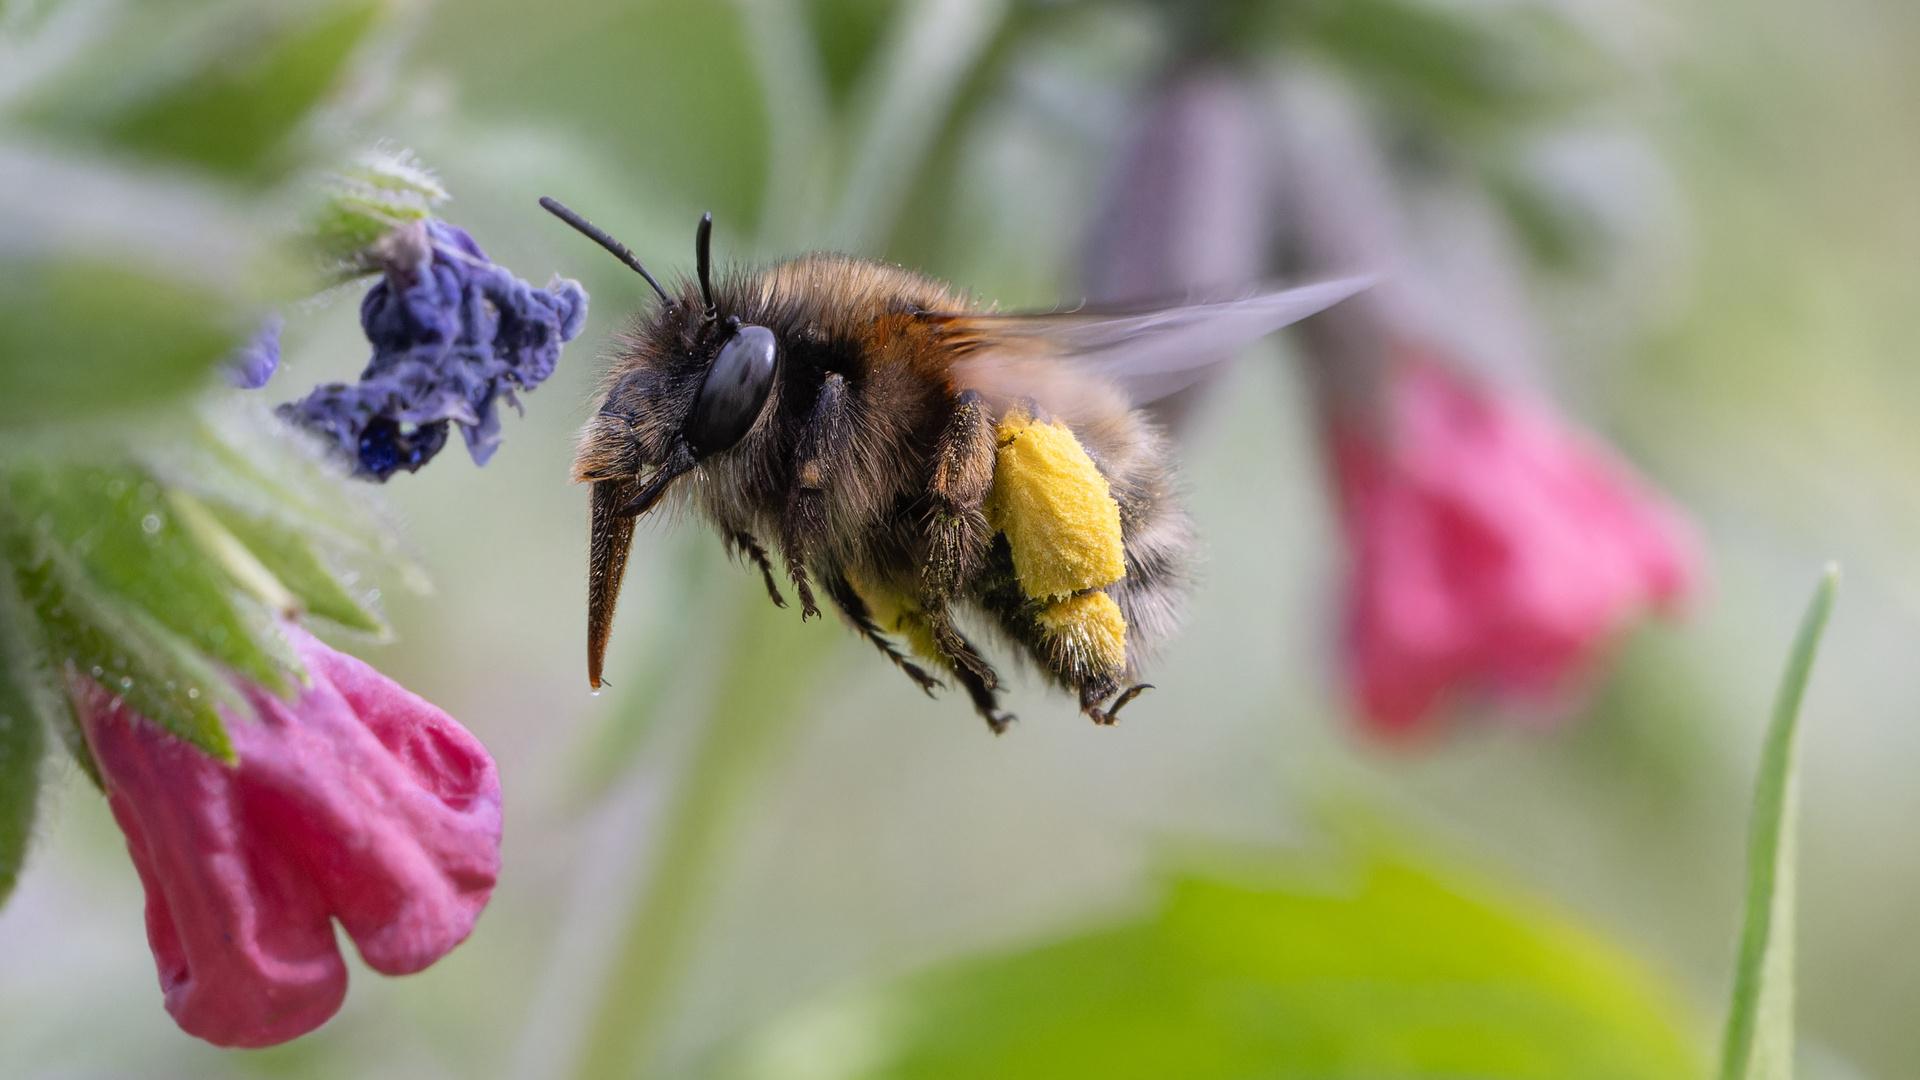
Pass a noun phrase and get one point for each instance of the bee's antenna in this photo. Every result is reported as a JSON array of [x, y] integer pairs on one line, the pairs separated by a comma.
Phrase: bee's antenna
[[703, 252], [599, 236]]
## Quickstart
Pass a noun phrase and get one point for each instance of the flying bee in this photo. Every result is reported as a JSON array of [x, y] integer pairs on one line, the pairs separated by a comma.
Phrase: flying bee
[[911, 456]]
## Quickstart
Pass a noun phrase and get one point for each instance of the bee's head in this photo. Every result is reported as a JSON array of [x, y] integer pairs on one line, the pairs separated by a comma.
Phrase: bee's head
[[703, 382]]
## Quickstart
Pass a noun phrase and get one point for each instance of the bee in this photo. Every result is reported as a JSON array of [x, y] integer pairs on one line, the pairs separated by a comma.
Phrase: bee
[[915, 458]]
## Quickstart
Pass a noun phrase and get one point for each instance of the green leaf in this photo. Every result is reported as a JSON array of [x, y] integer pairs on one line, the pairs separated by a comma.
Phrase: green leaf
[[1759, 1036], [1403, 973], [235, 112], [135, 580], [80, 337], [281, 498], [23, 742]]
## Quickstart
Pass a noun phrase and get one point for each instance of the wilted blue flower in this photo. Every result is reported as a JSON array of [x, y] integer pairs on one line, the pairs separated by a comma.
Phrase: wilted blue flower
[[253, 363], [452, 333]]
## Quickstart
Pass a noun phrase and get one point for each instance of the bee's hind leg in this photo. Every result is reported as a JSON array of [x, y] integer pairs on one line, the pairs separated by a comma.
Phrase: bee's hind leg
[[1092, 694]]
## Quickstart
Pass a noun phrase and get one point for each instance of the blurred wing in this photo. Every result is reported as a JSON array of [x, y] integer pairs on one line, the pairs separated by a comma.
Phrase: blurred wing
[[1148, 355]]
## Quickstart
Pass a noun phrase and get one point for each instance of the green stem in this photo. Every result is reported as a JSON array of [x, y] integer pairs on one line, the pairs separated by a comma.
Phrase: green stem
[[1759, 1035], [761, 696]]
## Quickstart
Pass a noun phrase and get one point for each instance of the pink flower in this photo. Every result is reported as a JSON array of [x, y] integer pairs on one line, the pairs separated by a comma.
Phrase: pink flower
[[1496, 551], [358, 802]]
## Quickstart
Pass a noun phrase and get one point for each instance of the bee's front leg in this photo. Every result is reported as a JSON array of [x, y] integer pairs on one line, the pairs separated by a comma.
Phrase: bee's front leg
[[741, 543]]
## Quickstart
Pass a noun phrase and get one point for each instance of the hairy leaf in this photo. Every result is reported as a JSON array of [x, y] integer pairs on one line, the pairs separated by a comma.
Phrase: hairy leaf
[[252, 463], [376, 194]]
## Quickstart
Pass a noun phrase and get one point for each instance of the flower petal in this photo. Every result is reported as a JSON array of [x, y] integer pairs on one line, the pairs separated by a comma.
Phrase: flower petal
[[238, 929], [391, 805], [1496, 550]]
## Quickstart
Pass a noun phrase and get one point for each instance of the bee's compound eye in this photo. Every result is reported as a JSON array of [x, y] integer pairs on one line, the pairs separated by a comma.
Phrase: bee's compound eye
[[735, 389]]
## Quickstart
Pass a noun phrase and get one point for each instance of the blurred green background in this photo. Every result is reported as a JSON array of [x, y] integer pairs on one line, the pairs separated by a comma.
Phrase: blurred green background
[[760, 819]]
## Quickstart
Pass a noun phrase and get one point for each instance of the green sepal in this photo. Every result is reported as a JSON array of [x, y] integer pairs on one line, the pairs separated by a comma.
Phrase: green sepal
[[90, 635], [291, 557], [246, 461], [118, 527], [23, 738], [380, 192]]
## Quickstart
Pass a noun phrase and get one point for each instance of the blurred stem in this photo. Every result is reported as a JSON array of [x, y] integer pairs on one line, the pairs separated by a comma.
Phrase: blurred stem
[[933, 46], [800, 125], [763, 693], [681, 622]]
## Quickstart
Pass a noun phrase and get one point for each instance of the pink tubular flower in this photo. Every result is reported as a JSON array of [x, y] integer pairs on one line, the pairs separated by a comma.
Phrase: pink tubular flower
[[359, 802], [1496, 551]]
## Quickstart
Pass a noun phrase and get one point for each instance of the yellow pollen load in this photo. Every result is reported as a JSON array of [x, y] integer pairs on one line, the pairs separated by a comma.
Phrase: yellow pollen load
[[1056, 510], [1093, 628]]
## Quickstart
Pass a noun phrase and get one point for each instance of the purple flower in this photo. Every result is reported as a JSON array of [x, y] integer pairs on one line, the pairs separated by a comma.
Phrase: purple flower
[[452, 334], [253, 363]]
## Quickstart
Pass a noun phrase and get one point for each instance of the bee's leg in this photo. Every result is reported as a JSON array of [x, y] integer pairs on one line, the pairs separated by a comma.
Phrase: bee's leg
[[825, 440], [797, 573], [804, 520], [1081, 640], [743, 543], [1094, 692], [855, 609], [957, 531], [980, 682]]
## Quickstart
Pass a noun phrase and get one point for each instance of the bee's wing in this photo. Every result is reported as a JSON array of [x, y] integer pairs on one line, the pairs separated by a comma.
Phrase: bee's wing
[[1148, 355]]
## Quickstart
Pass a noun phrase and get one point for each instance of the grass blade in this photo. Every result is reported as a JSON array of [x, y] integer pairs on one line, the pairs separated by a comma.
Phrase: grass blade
[[1759, 1038]]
